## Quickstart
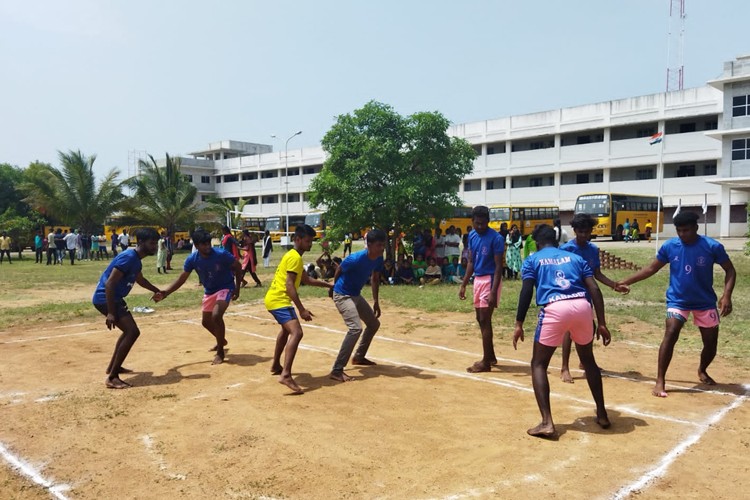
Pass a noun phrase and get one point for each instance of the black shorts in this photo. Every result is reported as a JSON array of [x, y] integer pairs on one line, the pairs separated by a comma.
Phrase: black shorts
[[121, 309]]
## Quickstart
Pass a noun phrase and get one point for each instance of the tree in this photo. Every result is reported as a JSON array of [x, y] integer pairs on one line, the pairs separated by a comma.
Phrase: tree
[[11, 196], [388, 171], [71, 194], [162, 196], [220, 207], [21, 228]]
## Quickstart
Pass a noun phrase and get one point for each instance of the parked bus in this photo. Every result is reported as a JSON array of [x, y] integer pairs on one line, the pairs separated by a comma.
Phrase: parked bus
[[317, 221], [460, 219], [254, 223], [112, 224], [276, 224], [612, 209], [526, 218]]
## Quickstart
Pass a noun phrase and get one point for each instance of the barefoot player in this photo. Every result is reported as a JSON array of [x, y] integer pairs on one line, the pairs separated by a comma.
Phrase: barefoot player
[[349, 279], [691, 259], [563, 281], [486, 248], [114, 285], [279, 299], [582, 225], [220, 273]]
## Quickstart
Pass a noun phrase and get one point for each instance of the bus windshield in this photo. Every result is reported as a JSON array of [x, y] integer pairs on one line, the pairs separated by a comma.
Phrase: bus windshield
[[313, 220], [597, 205], [273, 224], [502, 214]]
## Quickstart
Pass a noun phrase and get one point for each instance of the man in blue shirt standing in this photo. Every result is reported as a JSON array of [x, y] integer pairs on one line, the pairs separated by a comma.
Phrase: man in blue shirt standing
[[351, 275], [220, 274], [582, 225], [486, 248], [563, 281], [114, 285], [691, 258]]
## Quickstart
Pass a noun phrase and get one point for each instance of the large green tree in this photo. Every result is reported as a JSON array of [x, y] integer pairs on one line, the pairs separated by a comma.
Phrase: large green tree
[[71, 194], [11, 196], [389, 171], [162, 195]]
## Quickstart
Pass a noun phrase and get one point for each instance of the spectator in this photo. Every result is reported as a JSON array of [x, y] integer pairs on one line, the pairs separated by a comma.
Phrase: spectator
[[124, 240], [514, 242], [439, 246], [71, 240], [5, 242], [51, 249], [452, 243], [60, 245], [419, 265], [405, 272], [432, 274], [38, 247], [267, 248]]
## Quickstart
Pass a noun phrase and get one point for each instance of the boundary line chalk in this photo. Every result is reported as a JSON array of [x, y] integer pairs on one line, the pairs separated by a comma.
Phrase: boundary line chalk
[[28, 471]]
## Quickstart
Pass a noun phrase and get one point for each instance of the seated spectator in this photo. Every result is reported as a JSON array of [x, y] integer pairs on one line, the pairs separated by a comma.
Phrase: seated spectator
[[449, 269], [326, 265], [461, 271], [406, 273], [311, 272], [432, 275], [388, 274], [419, 265]]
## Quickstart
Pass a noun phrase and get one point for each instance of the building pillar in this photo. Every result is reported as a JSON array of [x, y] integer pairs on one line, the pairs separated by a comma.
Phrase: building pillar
[[724, 210]]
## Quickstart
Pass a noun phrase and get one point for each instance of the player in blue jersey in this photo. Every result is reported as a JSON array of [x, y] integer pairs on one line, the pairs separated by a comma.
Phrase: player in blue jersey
[[563, 281], [221, 274], [582, 225], [486, 248], [691, 258], [114, 285], [351, 275]]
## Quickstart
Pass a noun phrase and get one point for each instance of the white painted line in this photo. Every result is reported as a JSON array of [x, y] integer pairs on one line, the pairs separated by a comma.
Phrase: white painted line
[[148, 443], [56, 490], [661, 469], [48, 337]]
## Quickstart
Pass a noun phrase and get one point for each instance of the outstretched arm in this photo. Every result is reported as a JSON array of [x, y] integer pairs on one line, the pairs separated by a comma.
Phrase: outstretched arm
[[181, 279], [601, 278], [730, 276], [141, 280], [644, 273]]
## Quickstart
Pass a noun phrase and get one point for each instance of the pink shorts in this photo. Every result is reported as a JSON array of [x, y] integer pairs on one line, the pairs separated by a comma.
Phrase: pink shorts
[[482, 290], [209, 301], [706, 319], [556, 318]]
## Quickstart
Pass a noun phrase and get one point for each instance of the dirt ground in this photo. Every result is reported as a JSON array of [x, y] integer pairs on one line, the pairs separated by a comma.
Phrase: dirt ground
[[414, 426]]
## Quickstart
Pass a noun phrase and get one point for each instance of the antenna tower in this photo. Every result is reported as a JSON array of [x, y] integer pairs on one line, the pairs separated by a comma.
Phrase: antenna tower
[[675, 45]]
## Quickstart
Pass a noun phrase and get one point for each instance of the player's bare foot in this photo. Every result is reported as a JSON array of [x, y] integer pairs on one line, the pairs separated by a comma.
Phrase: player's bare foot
[[216, 347], [565, 376], [116, 383], [603, 421], [288, 381], [340, 376], [542, 430], [706, 378], [122, 370], [363, 362], [218, 359], [276, 370], [659, 391], [479, 367]]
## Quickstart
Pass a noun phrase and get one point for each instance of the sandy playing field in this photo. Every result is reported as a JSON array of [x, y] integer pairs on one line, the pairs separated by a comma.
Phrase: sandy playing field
[[415, 426]]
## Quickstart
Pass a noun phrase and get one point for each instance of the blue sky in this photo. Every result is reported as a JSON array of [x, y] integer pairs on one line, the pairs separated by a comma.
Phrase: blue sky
[[107, 77]]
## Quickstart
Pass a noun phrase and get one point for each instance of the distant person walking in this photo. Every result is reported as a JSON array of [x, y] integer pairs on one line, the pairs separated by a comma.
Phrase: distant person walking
[[5, 242], [267, 248]]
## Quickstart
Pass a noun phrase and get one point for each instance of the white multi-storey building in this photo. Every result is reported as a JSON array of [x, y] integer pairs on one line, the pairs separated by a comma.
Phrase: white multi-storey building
[[551, 157]]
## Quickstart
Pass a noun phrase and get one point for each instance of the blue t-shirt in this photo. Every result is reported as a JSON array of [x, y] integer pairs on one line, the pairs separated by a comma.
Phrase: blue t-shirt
[[483, 248], [355, 270], [691, 272], [559, 275], [215, 271], [589, 253], [129, 264]]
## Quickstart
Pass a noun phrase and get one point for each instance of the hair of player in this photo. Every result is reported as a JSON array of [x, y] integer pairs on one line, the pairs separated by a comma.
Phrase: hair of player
[[145, 234], [200, 236]]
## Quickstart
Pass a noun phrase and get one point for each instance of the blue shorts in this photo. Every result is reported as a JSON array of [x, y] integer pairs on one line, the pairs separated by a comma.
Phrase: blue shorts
[[284, 314]]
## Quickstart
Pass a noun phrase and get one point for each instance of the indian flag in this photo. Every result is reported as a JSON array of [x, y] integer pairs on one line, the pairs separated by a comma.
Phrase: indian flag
[[656, 138]]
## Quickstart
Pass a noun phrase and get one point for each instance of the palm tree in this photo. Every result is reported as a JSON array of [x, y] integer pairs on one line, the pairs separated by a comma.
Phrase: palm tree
[[71, 194], [220, 207], [162, 196]]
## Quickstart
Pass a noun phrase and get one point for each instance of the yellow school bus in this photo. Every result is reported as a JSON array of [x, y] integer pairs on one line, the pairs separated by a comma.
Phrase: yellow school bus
[[276, 225], [525, 217], [612, 210], [460, 218]]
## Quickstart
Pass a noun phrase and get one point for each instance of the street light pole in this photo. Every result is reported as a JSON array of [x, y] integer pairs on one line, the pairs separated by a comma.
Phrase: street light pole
[[286, 177]]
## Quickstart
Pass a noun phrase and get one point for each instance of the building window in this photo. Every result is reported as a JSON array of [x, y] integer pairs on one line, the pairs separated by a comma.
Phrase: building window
[[189, 177], [643, 174], [253, 200], [269, 174], [477, 149], [741, 149], [582, 178], [599, 177], [311, 170], [218, 179], [232, 178], [292, 171], [583, 139], [249, 176], [711, 125], [686, 171], [645, 132], [535, 182], [205, 179], [496, 183], [741, 105], [204, 197], [468, 186], [292, 197], [271, 199], [687, 127], [709, 169], [490, 150]]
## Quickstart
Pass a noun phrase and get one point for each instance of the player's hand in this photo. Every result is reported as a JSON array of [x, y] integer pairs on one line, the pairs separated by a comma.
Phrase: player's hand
[[330, 292], [621, 288], [492, 301], [462, 292], [603, 332], [306, 315], [158, 296], [236, 294], [725, 306], [517, 334], [110, 321], [376, 309]]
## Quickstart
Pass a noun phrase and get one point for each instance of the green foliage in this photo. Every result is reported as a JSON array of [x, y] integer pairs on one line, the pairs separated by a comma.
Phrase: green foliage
[[21, 228], [163, 196], [11, 196], [71, 194], [388, 171], [220, 207]]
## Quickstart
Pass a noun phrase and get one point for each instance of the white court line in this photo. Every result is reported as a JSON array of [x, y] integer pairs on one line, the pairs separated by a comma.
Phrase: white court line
[[27, 470], [48, 337], [506, 360], [469, 376], [661, 469]]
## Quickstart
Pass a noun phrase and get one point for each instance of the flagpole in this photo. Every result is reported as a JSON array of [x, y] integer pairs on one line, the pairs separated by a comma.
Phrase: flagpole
[[660, 187], [705, 214]]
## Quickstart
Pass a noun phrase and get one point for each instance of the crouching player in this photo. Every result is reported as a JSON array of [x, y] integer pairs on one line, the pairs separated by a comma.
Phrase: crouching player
[[220, 274], [562, 280]]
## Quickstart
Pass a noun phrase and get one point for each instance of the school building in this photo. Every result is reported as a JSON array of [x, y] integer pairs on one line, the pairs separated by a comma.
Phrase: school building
[[552, 157]]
